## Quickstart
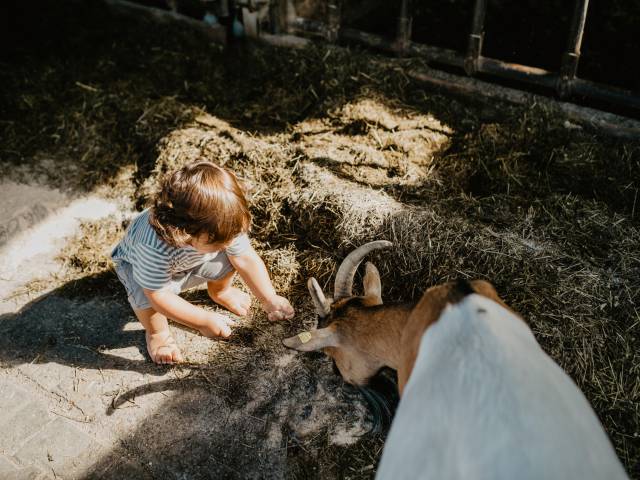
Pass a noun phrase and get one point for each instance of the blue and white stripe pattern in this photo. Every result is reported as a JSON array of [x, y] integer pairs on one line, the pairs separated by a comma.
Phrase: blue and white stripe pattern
[[155, 262]]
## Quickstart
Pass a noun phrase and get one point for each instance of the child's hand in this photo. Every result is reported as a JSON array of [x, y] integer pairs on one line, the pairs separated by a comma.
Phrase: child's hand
[[216, 325], [278, 308]]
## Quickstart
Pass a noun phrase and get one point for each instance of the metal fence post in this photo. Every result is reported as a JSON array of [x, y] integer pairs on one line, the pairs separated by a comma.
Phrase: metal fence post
[[403, 36], [571, 57], [476, 38], [333, 20]]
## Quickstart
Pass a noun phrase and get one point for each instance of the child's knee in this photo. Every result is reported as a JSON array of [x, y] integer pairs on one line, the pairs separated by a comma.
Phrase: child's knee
[[216, 269]]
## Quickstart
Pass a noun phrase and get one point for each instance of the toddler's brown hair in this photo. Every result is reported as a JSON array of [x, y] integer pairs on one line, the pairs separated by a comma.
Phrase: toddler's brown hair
[[200, 198]]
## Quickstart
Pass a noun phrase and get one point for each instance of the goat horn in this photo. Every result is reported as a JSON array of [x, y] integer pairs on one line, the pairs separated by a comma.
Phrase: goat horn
[[320, 302], [344, 278]]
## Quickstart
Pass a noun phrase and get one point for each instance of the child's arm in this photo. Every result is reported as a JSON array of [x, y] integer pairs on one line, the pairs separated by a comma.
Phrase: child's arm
[[254, 272], [173, 306]]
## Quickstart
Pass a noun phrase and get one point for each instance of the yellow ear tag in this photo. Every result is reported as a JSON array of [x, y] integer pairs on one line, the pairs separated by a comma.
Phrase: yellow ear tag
[[304, 336]]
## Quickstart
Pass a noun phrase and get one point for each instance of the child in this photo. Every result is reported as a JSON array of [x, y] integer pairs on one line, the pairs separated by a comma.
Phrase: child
[[195, 232]]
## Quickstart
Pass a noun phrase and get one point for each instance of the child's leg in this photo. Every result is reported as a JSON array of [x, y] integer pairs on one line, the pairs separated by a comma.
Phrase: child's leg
[[161, 345], [231, 298]]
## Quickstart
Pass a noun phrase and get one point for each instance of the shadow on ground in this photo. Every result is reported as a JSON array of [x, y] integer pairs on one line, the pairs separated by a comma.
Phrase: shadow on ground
[[73, 325], [251, 409]]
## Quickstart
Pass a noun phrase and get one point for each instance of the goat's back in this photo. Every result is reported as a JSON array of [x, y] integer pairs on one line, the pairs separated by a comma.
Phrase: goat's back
[[485, 402]]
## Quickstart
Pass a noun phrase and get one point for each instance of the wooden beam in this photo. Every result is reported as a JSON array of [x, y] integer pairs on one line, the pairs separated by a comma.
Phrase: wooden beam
[[589, 118]]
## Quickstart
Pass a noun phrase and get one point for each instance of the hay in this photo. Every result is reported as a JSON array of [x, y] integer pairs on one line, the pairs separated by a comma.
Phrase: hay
[[374, 144], [339, 149], [89, 252], [330, 208]]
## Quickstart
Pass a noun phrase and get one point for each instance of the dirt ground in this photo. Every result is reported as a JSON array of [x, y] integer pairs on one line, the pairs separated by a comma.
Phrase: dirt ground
[[338, 148]]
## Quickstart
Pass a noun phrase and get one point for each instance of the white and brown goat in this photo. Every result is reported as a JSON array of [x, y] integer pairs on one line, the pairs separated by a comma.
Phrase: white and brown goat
[[479, 397]]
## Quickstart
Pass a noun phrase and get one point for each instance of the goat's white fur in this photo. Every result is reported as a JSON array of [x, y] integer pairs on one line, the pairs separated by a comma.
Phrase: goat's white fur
[[485, 402]]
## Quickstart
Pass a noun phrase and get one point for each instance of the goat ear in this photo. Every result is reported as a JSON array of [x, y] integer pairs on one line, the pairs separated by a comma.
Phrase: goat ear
[[372, 286], [314, 340]]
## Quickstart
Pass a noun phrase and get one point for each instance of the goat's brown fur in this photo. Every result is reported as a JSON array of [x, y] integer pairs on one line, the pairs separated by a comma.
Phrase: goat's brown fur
[[367, 338], [364, 336]]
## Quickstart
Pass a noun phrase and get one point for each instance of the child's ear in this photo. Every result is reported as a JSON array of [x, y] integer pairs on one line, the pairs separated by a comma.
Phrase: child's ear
[[187, 243]]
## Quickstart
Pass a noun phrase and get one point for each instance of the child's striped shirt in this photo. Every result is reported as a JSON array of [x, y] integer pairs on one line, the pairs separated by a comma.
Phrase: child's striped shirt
[[155, 262]]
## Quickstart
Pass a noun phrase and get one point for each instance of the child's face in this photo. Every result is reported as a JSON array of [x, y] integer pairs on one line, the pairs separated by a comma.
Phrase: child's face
[[202, 244]]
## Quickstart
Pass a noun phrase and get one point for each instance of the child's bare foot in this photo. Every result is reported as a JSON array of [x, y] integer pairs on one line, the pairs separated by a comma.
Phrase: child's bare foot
[[216, 326], [231, 298], [162, 347]]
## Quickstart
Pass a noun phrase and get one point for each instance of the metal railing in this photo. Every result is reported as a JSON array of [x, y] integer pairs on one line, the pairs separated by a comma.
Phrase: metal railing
[[564, 83], [284, 29]]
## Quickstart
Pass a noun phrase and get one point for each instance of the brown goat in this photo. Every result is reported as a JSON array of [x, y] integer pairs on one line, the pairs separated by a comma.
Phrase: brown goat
[[363, 335]]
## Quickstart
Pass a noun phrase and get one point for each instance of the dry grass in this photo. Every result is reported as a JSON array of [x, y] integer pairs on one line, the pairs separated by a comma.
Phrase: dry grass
[[90, 251], [348, 152]]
